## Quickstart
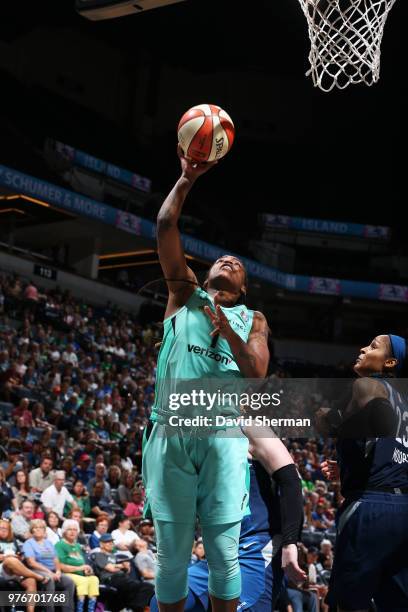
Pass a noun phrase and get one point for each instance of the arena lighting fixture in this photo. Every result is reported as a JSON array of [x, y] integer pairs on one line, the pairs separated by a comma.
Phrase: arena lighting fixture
[[130, 265], [142, 252], [127, 254], [7, 210], [137, 263], [97, 10], [24, 197], [35, 201]]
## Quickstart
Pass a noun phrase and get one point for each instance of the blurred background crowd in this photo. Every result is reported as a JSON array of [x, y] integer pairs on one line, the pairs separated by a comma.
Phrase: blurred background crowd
[[77, 386]]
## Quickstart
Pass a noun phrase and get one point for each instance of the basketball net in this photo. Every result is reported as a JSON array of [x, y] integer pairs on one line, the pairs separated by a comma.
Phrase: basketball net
[[345, 37]]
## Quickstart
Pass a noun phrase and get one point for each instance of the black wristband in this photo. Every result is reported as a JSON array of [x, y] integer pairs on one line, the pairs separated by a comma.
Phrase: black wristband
[[291, 503]]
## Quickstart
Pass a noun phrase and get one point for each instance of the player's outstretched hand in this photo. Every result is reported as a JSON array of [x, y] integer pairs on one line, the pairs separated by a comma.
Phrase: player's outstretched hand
[[290, 564], [330, 470], [190, 169], [220, 322]]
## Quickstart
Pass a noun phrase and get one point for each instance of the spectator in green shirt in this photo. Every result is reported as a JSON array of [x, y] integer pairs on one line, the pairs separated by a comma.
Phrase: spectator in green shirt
[[73, 563], [81, 497]]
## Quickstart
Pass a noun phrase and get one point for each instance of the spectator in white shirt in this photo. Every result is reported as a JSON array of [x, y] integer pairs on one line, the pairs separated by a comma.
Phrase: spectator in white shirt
[[55, 354], [55, 497], [42, 477], [68, 356], [123, 537], [53, 531]]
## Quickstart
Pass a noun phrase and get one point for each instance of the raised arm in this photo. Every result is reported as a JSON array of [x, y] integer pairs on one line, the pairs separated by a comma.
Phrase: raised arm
[[267, 448], [368, 414], [181, 280], [276, 460]]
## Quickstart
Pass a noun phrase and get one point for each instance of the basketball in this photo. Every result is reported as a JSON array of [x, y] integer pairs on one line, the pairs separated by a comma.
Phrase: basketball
[[205, 133]]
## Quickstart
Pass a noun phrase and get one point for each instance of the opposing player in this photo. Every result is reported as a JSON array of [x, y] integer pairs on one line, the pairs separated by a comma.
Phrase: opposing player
[[208, 333], [370, 560], [267, 545]]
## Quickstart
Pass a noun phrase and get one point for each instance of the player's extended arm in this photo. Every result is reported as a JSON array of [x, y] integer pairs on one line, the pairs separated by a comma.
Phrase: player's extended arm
[[276, 460], [181, 280], [368, 414]]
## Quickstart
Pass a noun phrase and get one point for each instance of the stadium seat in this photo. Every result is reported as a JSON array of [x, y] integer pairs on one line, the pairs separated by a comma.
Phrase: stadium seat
[[6, 409]]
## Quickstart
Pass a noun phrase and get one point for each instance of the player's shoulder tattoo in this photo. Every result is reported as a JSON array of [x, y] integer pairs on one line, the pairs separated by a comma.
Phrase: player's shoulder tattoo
[[260, 326]]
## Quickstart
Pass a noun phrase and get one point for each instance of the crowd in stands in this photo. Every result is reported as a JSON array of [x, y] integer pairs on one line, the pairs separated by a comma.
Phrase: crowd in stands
[[76, 389]]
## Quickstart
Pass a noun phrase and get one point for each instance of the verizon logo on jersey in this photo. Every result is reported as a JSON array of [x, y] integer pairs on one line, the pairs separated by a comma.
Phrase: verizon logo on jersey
[[206, 352]]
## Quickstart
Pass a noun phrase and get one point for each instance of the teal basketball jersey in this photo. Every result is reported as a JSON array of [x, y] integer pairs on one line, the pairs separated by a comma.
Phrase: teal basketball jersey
[[188, 351]]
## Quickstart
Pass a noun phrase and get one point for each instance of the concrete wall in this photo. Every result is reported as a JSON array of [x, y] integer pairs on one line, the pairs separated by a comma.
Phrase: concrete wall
[[95, 292]]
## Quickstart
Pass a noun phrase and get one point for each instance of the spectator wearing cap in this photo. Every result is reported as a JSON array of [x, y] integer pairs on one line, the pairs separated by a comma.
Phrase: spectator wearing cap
[[100, 476], [57, 495], [42, 477], [146, 532], [83, 471], [133, 593]]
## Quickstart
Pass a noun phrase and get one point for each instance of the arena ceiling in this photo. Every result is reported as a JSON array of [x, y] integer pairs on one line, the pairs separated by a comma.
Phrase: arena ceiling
[[326, 156]]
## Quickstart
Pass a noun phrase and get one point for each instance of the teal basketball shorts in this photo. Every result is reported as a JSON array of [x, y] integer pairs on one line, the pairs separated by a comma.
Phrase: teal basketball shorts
[[186, 476]]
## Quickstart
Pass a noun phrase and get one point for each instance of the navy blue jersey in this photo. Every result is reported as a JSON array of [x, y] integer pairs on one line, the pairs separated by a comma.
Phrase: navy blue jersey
[[374, 463]]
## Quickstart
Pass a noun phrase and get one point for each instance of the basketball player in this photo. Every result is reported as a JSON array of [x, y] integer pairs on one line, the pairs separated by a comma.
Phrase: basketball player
[[371, 554], [267, 544], [208, 333]]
